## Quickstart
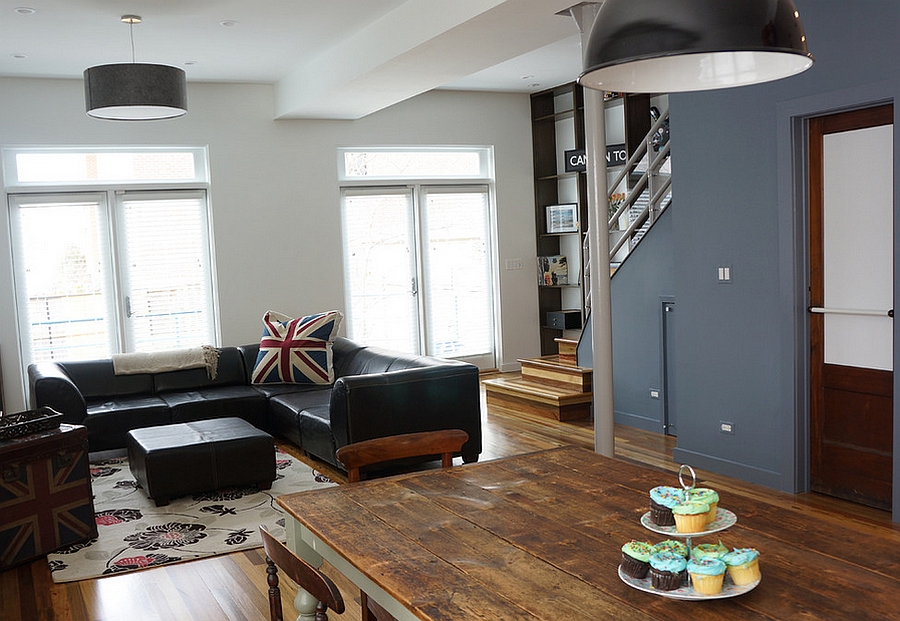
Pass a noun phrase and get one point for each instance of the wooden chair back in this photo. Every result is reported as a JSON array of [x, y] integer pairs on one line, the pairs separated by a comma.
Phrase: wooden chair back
[[307, 577], [358, 455]]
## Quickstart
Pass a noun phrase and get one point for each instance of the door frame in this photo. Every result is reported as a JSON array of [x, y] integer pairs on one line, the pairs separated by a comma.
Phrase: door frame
[[793, 223], [842, 376]]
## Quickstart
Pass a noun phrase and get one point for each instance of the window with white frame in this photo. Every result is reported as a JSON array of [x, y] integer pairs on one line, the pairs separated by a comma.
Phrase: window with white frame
[[117, 257]]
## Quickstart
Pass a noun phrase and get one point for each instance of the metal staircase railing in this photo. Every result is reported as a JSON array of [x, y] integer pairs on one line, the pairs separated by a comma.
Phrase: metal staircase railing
[[637, 207], [652, 190]]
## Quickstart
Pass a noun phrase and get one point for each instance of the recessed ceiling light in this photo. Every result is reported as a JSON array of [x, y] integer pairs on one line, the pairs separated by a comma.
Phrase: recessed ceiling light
[[19, 56], [24, 10], [190, 63], [228, 23]]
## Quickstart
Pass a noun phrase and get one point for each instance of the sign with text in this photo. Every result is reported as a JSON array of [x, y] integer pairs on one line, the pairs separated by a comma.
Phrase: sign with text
[[576, 159]]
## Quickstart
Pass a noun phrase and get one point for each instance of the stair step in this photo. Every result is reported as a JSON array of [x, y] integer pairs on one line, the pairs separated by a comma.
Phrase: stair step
[[568, 351], [517, 395], [548, 370]]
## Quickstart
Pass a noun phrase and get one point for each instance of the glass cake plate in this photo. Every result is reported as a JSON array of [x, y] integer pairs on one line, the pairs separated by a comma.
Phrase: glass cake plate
[[729, 589], [724, 519]]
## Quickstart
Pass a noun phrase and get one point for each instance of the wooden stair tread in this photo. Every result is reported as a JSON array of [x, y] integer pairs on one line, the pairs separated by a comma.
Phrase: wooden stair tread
[[537, 392], [552, 362]]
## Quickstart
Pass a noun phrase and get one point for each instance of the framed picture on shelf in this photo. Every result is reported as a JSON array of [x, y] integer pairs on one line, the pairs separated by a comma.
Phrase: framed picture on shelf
[[562, 218]]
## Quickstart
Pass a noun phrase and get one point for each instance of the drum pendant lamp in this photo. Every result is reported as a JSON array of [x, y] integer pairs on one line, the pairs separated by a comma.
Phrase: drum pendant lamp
[[135, 91], [666, 46]]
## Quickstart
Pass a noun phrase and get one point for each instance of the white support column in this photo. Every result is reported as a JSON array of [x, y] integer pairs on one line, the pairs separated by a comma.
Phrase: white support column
[[598, 237], [601, 308]]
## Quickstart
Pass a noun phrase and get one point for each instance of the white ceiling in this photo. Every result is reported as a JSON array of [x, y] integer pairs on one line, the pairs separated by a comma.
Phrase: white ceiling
[[326, 58]]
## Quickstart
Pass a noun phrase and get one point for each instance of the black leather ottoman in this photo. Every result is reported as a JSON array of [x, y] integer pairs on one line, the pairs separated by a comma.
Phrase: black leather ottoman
[[185, 458]]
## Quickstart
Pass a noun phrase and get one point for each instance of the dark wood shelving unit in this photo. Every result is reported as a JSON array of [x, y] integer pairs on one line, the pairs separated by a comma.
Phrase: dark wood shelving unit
[[557, 120]]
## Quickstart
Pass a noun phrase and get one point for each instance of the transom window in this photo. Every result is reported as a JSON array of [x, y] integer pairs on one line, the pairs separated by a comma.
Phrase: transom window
[[422, 163]]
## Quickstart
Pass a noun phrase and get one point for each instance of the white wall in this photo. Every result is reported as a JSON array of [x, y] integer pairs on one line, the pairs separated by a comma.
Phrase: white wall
[[275, 198]]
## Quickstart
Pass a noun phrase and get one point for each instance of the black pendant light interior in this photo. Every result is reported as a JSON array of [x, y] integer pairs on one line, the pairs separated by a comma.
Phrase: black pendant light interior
[[135, 91], [666, 46]]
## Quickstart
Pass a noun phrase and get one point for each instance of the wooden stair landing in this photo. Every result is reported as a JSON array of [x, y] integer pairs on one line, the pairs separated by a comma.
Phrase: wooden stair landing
[[550, 386]]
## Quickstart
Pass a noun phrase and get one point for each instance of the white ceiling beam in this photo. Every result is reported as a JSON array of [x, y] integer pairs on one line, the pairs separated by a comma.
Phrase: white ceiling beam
[[420, 46]]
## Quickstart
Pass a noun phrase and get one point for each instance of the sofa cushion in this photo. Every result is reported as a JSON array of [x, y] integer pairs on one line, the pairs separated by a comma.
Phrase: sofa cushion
[[315, 429], [96, 379], [108, 420], [297, 351], [218, 402], [285, 408]]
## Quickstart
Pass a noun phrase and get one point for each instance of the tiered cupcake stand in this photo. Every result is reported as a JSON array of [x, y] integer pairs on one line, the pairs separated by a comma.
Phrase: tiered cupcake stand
[[724, 519]]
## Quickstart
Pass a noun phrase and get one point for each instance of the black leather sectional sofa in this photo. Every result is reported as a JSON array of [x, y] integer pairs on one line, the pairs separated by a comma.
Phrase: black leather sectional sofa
[[376, 393]]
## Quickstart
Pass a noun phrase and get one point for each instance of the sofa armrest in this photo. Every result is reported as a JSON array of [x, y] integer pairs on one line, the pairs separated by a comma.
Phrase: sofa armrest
[[49, 385], [416, 399]]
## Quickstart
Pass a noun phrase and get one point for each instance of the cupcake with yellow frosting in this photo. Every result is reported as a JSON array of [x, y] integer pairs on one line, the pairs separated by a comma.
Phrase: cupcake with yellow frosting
[[690, 516], [707, 575], [743, 566]]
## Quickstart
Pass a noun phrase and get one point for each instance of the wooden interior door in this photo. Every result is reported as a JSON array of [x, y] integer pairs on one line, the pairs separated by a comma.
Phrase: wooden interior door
[[851, 296]]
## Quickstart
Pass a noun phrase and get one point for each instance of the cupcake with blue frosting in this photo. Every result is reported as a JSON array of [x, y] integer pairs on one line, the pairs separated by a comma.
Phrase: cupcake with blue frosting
[[662, 499], [707, 575], [667, 570], [742, 565]]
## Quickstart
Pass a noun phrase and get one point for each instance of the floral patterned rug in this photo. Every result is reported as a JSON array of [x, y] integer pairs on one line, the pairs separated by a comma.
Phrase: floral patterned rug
[[135, 534]]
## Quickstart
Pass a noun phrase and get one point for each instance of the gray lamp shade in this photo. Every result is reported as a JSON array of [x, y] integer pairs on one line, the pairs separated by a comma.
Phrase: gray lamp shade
[[135, 92], [665, 46]]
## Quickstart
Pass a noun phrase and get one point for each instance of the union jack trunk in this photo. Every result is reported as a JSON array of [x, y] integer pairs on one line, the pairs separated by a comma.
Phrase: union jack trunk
[[45, 494]]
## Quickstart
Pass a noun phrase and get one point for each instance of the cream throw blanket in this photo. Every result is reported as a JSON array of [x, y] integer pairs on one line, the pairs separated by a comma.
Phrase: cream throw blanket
[[171, 360]]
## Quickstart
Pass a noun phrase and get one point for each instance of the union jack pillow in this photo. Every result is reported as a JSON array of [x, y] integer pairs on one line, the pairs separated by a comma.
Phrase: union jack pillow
[[296, 351]]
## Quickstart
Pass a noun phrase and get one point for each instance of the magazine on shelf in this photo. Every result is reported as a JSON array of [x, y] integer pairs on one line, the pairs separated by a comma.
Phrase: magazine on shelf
[[553, 270]]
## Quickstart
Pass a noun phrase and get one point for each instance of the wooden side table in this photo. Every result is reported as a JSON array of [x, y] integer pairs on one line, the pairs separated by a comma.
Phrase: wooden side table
[[46, 501]]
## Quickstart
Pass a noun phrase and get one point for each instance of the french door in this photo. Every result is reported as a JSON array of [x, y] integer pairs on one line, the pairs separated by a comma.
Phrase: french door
[[99, 273], [417, 265], [851, 300]]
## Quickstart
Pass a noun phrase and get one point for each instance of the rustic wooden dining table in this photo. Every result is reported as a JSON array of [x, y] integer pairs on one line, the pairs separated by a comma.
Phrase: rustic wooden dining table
[[539, 536]]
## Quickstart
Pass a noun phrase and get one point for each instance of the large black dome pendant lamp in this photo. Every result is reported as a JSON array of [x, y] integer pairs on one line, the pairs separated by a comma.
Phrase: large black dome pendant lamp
[[135, 91], [667, 46]]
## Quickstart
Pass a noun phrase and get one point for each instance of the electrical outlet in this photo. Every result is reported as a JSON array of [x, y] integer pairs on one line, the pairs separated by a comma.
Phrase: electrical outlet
[[726, 427], [654, 393], [514, 264]]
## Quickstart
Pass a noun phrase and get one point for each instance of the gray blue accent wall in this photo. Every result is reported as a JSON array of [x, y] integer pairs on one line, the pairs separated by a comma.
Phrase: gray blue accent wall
[[636, 292], [738, 188]]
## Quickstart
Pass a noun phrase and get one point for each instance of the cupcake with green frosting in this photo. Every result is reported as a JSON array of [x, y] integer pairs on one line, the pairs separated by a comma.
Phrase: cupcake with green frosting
[[672, 545], [636, 558], [690, 516], [709, 496], [742, 565], [667, 570], [709, 550]]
